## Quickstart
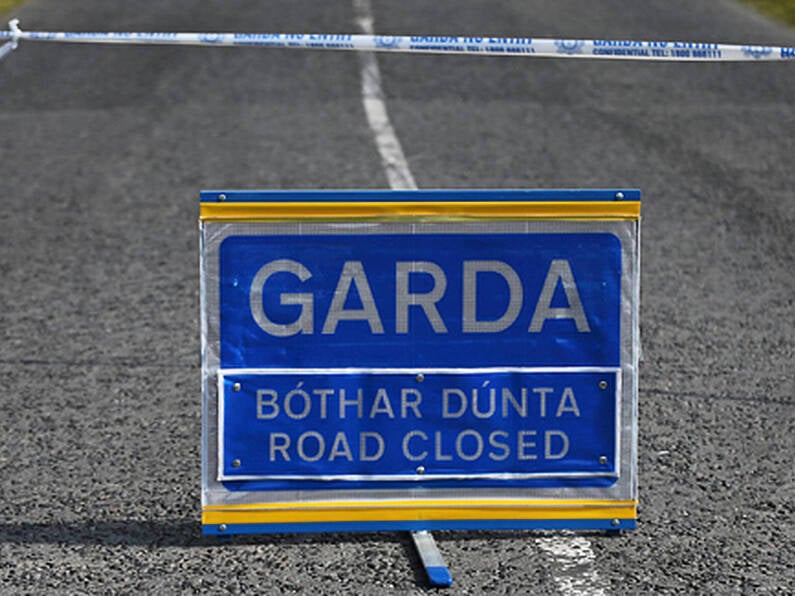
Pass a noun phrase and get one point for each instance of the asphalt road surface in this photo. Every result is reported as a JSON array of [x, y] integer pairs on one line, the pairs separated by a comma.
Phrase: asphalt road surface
[[103, 151]]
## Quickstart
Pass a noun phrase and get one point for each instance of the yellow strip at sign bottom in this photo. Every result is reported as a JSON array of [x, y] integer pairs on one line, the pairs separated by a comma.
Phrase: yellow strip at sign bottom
[[361, 511]]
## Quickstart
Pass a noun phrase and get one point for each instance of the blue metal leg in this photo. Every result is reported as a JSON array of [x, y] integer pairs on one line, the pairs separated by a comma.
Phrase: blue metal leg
[[438, 573]]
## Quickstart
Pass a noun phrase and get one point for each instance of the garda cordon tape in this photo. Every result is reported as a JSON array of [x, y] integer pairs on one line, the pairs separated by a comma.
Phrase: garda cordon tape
[[480, 46]]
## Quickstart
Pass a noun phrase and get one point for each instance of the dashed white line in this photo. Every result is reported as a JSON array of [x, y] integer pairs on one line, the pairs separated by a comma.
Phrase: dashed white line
[[574, 572]]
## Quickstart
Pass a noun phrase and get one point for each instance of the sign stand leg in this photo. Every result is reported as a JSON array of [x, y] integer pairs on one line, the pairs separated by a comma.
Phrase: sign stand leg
[[438, 573]]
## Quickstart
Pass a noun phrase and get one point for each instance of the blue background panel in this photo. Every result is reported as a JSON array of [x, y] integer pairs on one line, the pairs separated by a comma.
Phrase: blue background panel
[[321, 425], [594, 259]]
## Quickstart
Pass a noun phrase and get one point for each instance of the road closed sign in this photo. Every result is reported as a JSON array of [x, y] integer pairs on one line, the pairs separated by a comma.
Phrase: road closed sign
[[415, 360]]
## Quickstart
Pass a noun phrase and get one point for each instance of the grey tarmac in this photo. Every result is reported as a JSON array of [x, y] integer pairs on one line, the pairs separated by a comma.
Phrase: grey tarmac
[[103, 151]]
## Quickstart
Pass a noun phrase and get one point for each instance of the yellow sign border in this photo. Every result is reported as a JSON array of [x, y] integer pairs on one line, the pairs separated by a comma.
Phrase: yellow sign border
[[471, 509], [230, 211]]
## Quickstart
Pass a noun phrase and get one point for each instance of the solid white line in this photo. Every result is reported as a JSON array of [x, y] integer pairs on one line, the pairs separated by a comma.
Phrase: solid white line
[[394, 162], [6, 49], [574, 571]]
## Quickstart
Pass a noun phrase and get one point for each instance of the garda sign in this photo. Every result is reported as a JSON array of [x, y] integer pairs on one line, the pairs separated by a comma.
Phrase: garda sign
[[419, 360]]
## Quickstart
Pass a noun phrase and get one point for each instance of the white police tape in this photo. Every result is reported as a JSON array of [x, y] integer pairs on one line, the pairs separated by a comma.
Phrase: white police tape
[[14, 33], [483, 46]]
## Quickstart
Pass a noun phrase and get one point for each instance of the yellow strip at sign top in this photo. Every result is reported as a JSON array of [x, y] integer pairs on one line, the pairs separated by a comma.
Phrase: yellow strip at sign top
[[325, 210]]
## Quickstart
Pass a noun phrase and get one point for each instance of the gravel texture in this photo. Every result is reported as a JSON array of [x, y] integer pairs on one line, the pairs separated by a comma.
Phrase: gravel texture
[[103, 152]]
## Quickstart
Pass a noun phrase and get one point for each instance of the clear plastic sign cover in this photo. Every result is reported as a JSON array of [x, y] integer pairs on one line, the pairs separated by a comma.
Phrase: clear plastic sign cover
[[418, 365]]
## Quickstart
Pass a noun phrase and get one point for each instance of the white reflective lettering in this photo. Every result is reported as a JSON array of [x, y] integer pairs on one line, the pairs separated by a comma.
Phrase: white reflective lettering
[[564, 444], [321, 446], [412, 404], [278, 443], [559, 270], [523, 444], [353, 274], [364, 437], [471, 324], [542, 399], [567, 403], [438, 455], [344, 402], [270, 404], [305, 321], [447, 412], [407, 439], [288, 404], [323, 395], [404, 298], [503, 447], [519, 407], [489, 412], [381, 404], [340, 448], [459, 445], [353, 280]]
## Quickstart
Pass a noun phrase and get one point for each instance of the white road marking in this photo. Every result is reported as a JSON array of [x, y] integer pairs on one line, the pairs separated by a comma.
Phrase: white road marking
[[395, 165], [574, 572]]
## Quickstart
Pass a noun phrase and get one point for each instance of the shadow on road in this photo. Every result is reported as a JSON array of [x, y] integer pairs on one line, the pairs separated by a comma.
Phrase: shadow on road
[[185, 533], [178, 532], [166, 533]]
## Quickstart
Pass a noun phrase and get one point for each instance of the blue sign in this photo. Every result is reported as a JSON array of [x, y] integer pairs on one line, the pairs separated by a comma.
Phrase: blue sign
[[385, 425], [420, 300], [418, 360]]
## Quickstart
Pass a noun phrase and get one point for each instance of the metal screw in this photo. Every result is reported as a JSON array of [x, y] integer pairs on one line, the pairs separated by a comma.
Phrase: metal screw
[[619, 196], [222, 197], [222, 528], [420, 470], [602, 385], [420, 378], [236, 387], [615, 523], [235, 463], [603, 460]]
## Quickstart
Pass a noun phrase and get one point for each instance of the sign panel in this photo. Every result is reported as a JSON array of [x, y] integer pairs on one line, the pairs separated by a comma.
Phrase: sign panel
[[419, 360], [384, 425], [429, 300]]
